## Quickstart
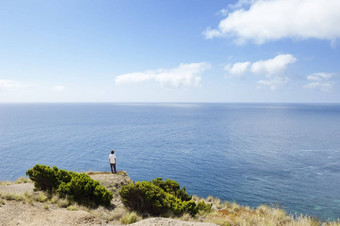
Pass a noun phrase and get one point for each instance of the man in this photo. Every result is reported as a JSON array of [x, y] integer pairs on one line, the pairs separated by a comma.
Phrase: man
[[113, 161]]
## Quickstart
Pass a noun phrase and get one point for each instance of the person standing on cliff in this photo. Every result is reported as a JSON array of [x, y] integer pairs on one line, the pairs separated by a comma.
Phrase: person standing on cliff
[[113, 161]]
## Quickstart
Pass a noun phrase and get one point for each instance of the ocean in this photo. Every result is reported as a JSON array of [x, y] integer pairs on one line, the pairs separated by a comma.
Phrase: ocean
[[286, 155]]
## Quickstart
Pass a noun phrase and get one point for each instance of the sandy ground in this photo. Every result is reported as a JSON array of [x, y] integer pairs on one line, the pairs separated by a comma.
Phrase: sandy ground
[[18, 213]]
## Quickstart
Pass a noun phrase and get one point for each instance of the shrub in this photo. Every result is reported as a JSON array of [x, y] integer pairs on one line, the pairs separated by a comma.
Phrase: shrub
[[44, 177], [78, 187], [202, 206], [172, 187], [159, 197], [83, 189]]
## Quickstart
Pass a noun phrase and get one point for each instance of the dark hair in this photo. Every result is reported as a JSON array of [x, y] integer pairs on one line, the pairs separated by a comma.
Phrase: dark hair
[[112, 152]]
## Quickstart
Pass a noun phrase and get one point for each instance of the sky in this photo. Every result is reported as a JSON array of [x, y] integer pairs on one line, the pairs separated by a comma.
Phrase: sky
[[275, 51]]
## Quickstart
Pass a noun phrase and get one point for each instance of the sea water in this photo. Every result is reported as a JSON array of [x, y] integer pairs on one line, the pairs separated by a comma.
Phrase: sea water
[[281, 154]]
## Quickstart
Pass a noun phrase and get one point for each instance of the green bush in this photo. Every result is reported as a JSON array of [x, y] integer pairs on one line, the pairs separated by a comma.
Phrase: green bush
[[44, 177], [78, 187], [158, 197], [82, 188], [172, 187]]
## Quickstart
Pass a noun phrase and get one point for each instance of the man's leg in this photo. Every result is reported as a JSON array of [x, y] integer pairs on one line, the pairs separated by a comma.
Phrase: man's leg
[[111, 167], [114, 166]]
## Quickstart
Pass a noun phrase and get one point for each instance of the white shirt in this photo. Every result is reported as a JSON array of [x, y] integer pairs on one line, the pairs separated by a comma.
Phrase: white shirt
[[112, 158]]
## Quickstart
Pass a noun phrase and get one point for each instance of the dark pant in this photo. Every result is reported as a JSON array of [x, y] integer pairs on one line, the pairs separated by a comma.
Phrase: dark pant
[[114, 167]]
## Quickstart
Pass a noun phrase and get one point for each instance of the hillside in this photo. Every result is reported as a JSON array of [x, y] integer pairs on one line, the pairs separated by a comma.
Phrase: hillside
[[21, 205]]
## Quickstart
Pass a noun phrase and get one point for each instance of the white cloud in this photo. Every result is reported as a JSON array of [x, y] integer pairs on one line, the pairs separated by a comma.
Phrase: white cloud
[[320, 81], [238, 69], [183, 75], [58, 88], [273, 67], [267, 20], [9, 85], [274, 70]]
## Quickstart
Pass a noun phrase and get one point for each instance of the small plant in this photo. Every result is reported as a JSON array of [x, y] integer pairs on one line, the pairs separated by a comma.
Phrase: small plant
[[42, 197], [117, 214], [54, 199], [72, 208], [63, 203], [46, 207], [30, 201], [13, 196], [130, 218], [2, 202]]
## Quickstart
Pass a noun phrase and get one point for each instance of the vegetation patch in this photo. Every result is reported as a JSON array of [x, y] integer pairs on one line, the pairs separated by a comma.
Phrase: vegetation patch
[[160, 198], [130, 218], [78, 187]]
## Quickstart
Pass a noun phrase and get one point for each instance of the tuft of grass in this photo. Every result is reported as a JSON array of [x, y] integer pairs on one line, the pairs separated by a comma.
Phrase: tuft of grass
[[22, 180], [46, 207], [130, 218], [54, 199], [117, 214], [72, 208], [2, 202], [42, 197], [12, 196], [30, 201], [28, 195], [186, 217], [63, 203]]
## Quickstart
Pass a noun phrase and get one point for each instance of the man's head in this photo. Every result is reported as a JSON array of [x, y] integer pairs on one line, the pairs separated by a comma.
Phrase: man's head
[[112, 152]]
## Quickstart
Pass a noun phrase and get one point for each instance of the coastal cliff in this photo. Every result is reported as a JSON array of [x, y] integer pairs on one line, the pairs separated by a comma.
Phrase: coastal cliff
[[20, 204]]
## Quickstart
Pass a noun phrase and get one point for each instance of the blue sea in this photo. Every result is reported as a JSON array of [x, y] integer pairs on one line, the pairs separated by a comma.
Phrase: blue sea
[[278, 154]]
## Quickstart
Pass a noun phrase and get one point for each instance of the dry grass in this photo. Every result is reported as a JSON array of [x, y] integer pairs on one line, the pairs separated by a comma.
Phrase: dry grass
[[22, 180], [41, 197], [54, 199], [233, 214], [12, 196], [63, 203], [7, 182], [73, 207], [109, 215], [130, 218]]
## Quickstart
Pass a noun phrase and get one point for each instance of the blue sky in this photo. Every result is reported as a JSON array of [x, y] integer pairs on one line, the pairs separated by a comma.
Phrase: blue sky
[[170, 51]]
